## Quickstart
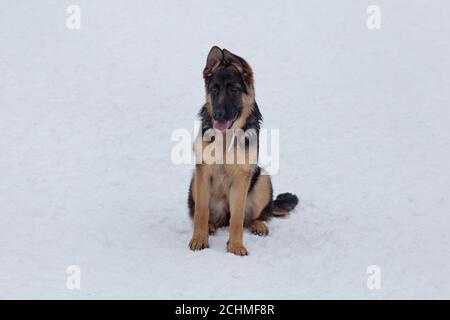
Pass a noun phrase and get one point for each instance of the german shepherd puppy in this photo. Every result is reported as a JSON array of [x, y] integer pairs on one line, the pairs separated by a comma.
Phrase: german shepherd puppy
[[232, 194]]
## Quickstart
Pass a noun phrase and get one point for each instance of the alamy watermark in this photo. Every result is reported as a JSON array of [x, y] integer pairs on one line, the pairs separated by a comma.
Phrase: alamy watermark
[[73, 21], [235, 146], [73, 281], [374, 278], [373, 21]]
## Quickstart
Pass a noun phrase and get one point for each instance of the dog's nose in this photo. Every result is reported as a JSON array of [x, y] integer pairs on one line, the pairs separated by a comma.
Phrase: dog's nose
[[219, 114]]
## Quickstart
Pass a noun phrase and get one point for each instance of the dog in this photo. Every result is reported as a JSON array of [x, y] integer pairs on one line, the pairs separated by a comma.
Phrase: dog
[[232, 194]]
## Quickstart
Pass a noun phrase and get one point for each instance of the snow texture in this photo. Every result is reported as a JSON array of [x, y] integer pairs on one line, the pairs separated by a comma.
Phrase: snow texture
[[86, 176]]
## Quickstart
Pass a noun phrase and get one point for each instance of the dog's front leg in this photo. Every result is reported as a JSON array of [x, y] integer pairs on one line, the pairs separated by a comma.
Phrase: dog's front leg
[[201, 214], [238, 197]]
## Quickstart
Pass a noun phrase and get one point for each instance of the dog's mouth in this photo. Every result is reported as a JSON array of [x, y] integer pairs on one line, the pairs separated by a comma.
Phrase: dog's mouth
[[222, 125]]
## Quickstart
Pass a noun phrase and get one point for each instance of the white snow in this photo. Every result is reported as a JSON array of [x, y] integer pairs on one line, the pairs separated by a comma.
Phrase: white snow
[[86, 177]]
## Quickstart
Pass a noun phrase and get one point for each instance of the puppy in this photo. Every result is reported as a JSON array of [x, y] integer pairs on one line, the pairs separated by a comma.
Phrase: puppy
[[230, 193]]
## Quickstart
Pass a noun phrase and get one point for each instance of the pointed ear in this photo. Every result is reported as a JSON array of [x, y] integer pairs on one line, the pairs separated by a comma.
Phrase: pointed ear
[[215, 57], [240, 64]]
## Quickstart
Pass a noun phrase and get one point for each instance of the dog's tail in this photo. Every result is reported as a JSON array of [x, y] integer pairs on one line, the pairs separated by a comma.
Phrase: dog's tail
[[284, 203]]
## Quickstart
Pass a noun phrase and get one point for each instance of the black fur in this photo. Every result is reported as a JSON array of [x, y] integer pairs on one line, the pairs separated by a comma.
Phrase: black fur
[[285, 201], [254, 178], [205, 118], [191, 204], [225, 88]]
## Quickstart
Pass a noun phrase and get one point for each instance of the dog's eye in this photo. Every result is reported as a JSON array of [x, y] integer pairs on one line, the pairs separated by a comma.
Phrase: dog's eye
[[214, 90], [233, 90]]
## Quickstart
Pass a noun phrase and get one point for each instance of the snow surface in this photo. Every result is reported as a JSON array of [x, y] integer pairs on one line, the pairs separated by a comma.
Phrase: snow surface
[[86, 176]]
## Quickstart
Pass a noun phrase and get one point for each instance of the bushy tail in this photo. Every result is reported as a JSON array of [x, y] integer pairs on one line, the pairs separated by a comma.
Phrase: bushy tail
[[284, 203]]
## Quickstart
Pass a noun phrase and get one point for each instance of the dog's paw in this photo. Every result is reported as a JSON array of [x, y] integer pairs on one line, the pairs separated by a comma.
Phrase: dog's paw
[[237, 249], [259, 227], [198, 243]]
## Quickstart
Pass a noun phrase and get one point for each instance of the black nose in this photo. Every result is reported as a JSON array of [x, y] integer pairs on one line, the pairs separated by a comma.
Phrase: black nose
[[219, 114]]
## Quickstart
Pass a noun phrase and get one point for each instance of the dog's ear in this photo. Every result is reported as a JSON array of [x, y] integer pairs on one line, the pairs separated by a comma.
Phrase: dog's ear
[[215, 57], [240, 64]]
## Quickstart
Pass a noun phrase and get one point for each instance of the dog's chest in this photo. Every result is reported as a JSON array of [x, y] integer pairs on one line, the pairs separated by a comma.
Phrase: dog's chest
[[220, 182], [219, 196]]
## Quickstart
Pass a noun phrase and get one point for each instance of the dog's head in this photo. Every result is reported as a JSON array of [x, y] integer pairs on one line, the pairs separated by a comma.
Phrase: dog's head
[[229, 89]]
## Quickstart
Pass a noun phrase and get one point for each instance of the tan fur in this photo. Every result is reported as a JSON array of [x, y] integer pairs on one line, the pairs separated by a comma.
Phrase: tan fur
[[238, 197], [201, 217], [248, 100]]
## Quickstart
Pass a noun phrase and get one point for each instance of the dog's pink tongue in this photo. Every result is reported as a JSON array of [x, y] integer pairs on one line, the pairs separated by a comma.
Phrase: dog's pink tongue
[[221, 125]]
